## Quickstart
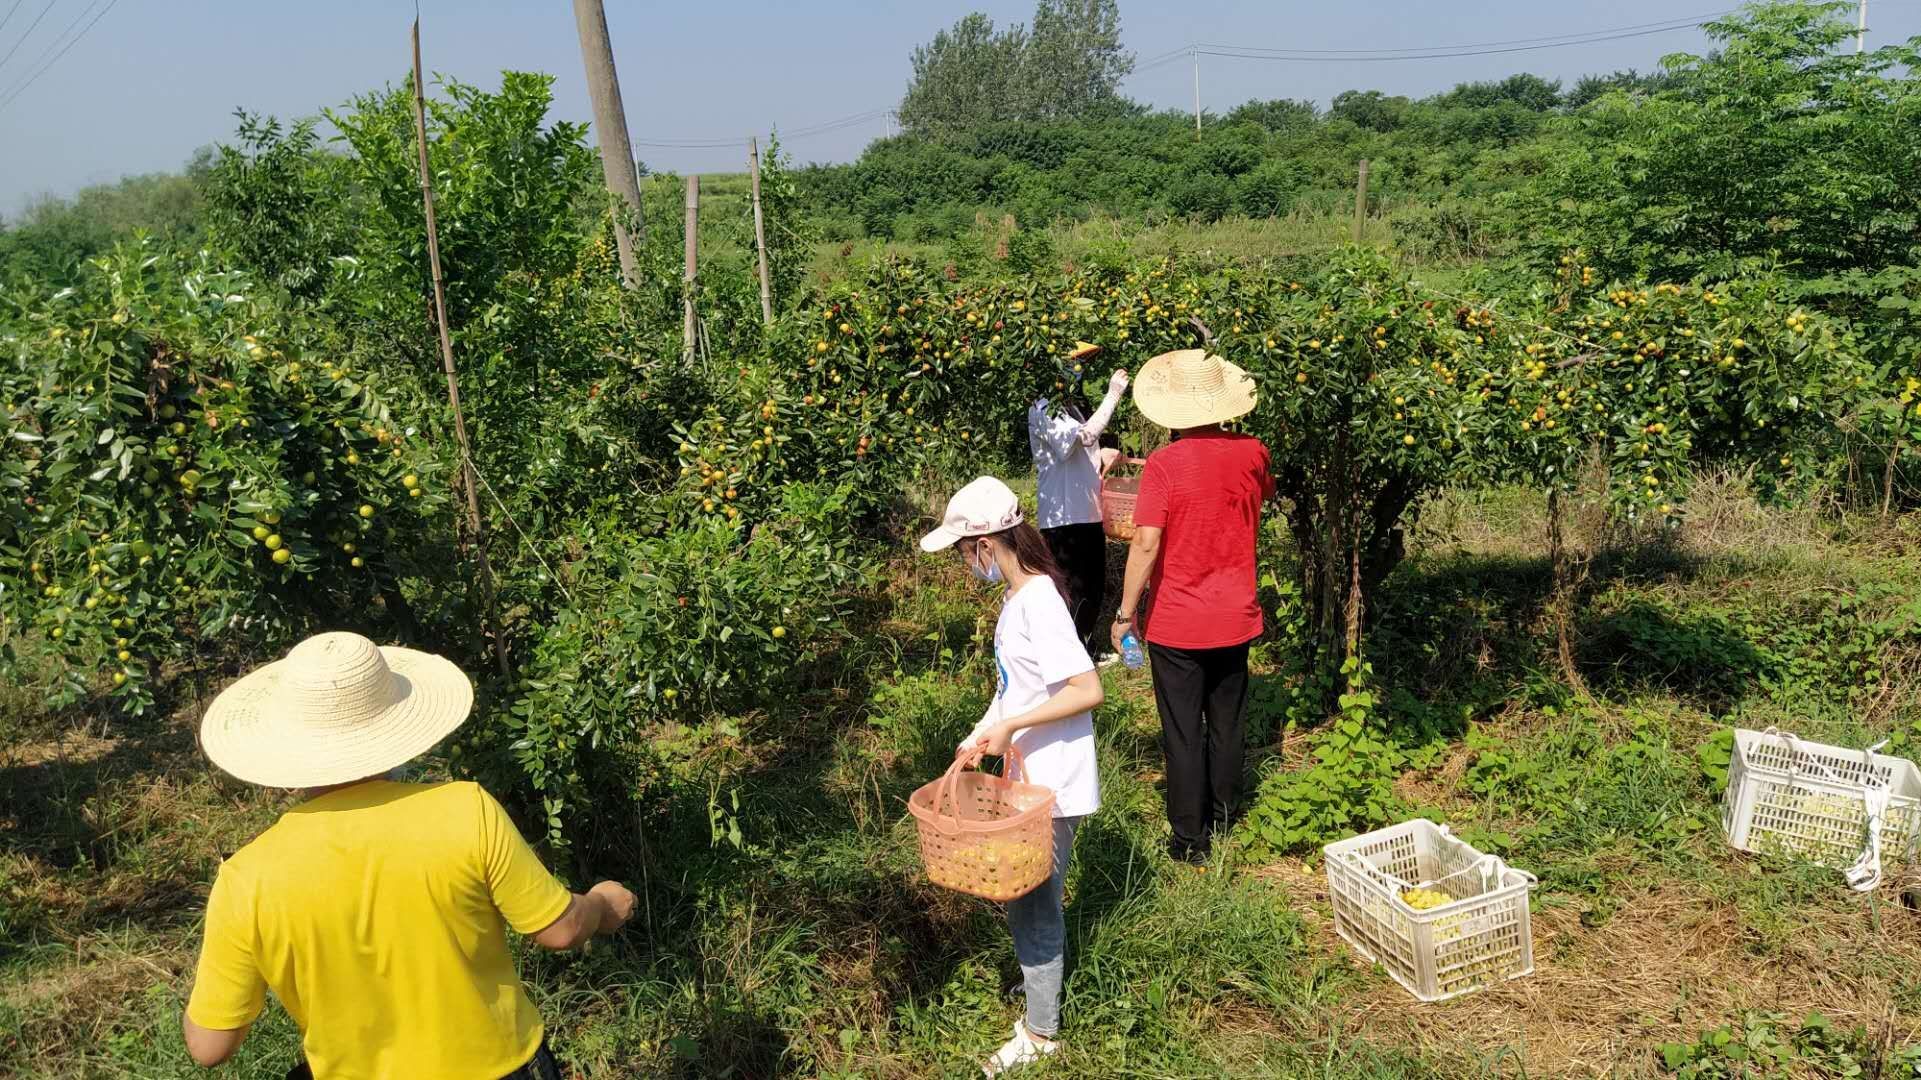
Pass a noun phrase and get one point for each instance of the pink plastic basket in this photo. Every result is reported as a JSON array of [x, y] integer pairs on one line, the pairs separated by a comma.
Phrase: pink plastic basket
[[985, 835], [1118, 493]]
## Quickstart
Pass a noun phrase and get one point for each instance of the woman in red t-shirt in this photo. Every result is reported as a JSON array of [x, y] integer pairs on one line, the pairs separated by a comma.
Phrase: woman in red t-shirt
[[1195, 522]]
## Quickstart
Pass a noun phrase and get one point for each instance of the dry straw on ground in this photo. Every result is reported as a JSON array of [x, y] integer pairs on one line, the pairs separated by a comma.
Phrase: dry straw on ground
[[1671, 962]]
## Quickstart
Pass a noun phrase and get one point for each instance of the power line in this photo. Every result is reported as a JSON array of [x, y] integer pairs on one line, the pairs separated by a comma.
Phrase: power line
[[1235, 52], [1159, 59], [797, 133], [1429, 52], [9, 16], [58, 39], [28, 34], [1552, 40], [1321, 58], [43, 69], [872, 114]]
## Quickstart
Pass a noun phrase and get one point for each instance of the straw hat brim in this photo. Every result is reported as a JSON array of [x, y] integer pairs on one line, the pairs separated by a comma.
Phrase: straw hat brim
[[1178, 410], [248, 733]]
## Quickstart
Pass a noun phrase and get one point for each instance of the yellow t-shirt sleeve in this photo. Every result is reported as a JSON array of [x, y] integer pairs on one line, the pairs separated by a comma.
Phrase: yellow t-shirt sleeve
[[228, 988], [527, 896]]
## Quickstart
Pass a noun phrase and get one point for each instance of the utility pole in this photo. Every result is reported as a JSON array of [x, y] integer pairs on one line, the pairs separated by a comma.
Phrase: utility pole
[[1360, 202], [689, 326], [1196, 54], [610, 126], [468, 474], [1861, 30], [760, 234]]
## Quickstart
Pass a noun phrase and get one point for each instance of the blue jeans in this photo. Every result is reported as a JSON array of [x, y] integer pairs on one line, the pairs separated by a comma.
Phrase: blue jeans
[[1040, 936]]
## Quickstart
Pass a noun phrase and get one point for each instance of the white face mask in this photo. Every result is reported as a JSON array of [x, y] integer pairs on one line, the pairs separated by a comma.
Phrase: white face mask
[[990, 573]]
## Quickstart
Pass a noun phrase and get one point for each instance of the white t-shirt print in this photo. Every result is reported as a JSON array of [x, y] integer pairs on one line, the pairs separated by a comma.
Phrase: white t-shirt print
[[1036, 651]]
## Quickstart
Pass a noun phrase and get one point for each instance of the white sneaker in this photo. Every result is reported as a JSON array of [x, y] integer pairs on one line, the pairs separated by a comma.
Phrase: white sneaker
[[1024, 1048], [1108, 659]]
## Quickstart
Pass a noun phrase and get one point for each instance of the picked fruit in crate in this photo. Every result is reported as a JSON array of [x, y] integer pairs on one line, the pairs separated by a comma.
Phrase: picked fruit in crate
[[1853, 810], [1441, 917], [1423, 899]]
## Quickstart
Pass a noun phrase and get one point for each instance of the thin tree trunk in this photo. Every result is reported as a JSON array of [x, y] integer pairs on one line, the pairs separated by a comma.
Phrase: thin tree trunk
[[1561, 599], [1354, 606], [1887, 476]]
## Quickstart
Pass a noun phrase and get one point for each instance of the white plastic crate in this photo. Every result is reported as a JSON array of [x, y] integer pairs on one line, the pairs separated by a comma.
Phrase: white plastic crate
[[1480, 938], [1789, 796]]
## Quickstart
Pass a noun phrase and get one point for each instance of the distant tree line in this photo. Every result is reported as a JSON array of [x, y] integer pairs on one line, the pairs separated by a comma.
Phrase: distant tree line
[[1261, 159], [1067, 66]]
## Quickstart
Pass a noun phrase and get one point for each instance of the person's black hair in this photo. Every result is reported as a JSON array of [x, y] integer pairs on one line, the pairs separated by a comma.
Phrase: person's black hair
[[1034, 556]]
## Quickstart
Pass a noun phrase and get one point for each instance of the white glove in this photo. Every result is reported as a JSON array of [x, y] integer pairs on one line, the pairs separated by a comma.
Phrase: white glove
[[988, 719], [1097, 423]]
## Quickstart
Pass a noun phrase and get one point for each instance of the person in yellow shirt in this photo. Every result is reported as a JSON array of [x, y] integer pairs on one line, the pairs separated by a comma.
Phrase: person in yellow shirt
[[375, 911]]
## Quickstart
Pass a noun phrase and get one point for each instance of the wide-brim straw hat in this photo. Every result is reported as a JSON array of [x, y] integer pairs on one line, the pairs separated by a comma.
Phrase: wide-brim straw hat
[[1191, 388], [336, 709]]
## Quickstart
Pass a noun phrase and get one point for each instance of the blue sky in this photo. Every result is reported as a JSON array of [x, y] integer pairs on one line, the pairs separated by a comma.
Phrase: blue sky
[[157, 78]]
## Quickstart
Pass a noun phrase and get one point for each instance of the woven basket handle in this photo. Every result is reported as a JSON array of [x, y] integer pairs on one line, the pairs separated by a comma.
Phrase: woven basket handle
[[1011, 761]]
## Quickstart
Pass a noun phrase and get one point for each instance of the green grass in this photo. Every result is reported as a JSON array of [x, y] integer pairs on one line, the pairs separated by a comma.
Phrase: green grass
[[815, 948], [1304, 233], [1319, 226]]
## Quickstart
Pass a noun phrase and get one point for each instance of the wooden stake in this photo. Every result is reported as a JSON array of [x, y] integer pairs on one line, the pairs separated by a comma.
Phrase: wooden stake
[[1360, 202], [1887, 475], [760, 234], [467, 475], [688, 326], [1196, 56], [610, 130]]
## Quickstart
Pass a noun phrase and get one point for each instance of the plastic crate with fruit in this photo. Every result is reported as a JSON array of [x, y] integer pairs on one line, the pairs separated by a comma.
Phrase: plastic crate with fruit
[[1442, 918], [985, 835], [1788, 796], [1118, 493]]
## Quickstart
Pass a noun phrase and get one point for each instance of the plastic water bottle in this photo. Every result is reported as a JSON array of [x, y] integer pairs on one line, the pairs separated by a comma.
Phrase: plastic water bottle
[[1131, 653]]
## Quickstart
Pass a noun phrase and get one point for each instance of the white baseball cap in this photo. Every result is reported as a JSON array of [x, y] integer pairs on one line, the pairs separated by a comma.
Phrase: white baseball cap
[[983, 507]]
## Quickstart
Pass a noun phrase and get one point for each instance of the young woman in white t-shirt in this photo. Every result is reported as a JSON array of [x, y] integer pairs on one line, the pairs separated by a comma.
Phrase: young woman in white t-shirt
[[1066, 443], [1045, 692]]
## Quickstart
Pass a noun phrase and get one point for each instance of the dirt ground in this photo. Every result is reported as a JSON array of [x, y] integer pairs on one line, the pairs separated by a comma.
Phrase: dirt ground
[[1672, 961]]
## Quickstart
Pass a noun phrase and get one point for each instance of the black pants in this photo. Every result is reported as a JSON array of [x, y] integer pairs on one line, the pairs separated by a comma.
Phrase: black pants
[[1081, 551], [1202, 696], [541, 1066]]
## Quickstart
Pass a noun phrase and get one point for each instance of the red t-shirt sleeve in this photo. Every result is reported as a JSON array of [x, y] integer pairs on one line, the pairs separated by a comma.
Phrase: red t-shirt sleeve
[[1264, 462], [1150, 504]]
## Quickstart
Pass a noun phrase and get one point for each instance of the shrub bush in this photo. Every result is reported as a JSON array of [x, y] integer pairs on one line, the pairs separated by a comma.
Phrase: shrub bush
[[188, 464]]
